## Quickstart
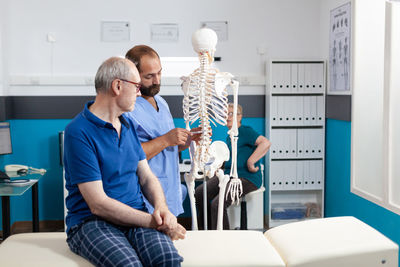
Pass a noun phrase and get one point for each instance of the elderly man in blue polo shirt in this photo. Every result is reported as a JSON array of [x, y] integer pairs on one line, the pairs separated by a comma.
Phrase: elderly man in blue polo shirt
[[107, 174], [160, 140]]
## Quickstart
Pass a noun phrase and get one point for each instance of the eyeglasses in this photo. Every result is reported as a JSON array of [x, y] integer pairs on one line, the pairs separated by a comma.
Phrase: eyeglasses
[[230, 114], [138, 85]]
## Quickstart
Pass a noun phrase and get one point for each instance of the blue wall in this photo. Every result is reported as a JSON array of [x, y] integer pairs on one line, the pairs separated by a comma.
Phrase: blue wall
[[339, 201], [35, 143]]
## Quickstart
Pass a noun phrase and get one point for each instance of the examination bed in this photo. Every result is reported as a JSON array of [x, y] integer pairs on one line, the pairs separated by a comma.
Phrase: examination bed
[[328, 242]]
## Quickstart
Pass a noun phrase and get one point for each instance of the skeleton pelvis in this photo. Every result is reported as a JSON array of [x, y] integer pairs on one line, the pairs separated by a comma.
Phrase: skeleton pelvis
[[219, 153]]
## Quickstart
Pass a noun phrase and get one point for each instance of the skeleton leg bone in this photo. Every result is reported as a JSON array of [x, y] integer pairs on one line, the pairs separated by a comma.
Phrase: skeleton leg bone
[[189, 179], [223, 180]]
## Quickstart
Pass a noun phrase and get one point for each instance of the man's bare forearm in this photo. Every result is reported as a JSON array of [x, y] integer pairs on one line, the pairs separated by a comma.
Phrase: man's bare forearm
[[113, 210], [155, 146]]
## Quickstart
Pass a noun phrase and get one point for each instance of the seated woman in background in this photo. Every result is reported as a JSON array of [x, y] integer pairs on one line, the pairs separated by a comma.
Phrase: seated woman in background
[[251, 148]]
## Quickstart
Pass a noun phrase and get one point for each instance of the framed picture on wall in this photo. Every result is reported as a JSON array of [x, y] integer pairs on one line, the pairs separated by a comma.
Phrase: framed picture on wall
[[339, 81]]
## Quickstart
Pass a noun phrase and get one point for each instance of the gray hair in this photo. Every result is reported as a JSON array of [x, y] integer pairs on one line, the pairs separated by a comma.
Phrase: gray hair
[[111, 69]]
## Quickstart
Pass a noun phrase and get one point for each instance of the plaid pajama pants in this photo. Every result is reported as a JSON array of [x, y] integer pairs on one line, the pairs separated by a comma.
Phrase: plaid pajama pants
[[106, 244]]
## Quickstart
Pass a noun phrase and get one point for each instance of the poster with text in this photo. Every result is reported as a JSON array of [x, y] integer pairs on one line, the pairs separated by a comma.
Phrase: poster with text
[[339, 50]]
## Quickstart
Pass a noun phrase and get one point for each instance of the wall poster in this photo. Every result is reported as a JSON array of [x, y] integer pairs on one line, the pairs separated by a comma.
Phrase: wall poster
[[339, 50]]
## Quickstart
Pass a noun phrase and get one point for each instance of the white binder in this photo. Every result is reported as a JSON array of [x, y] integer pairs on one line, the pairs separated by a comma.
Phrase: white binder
[[306, 110], [314, 77], [275, 78], [320, 110], [300, 143], [274, 110], [314, 142], [313, 110], [299, 110], [320, 175], [293, 78], [287, 143], [274, 143], [280, 174], [281, 110], [286, 77], [306, 143], [320, 146], [292, 143], [280, 137], [292, 113], [274, 175], [308, 78], [286, 111], [291, 177], [301, 77], [320, 78], [299, 174], [307, 174], [291, 110], [313, 174]]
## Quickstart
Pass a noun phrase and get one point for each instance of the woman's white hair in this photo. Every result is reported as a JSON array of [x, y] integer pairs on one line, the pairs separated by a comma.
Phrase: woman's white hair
[[239, 108]]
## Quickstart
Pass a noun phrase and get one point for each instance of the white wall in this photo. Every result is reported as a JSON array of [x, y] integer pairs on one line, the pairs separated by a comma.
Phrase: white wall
[[2, 92], [326, 7], [287, 28], [1, 65]]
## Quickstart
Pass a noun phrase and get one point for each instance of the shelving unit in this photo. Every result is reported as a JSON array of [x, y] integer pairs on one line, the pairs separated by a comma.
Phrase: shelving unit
[[295, 101]]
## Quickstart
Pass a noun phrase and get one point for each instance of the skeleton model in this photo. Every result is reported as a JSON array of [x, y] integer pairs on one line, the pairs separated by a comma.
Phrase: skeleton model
[[205, 99]]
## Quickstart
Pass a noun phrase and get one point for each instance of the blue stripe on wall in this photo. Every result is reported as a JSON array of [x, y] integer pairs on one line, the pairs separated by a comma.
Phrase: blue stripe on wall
[[35, 143], [339, 201]]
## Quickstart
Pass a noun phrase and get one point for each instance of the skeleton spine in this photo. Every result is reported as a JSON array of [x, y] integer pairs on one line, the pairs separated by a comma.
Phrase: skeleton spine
[[205, 141]]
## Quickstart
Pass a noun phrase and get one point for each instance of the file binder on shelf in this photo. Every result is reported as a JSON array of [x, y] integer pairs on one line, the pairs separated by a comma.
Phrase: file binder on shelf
[[295, 100]]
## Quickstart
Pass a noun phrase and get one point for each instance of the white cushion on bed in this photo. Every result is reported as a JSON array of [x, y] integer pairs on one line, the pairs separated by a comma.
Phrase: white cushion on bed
[[333, 242], [39, 250], [227, 248]]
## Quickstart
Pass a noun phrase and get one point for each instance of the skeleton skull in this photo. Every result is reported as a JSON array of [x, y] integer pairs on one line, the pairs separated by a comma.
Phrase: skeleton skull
[[205, 40]]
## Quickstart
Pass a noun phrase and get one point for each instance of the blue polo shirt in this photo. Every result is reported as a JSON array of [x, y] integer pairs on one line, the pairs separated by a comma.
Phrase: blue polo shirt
[[93, 151], [150, 124]]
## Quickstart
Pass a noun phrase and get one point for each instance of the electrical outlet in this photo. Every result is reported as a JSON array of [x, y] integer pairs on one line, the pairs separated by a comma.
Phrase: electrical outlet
[[35, 80], [89, 81], [261, 49], [244, 80], [51, 38]]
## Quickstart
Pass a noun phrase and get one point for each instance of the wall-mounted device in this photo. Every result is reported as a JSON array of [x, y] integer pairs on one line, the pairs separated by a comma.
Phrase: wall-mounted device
[[5, 138]]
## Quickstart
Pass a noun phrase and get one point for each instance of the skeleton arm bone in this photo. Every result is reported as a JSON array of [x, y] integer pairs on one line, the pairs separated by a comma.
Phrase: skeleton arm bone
[[234, 132], [235, 186]]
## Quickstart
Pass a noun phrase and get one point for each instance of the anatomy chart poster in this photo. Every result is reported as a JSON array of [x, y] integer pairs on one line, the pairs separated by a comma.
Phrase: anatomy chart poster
[[339, 50]]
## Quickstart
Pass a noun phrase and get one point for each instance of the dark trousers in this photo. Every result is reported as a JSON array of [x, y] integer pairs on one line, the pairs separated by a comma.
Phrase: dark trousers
[[212, 199]]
